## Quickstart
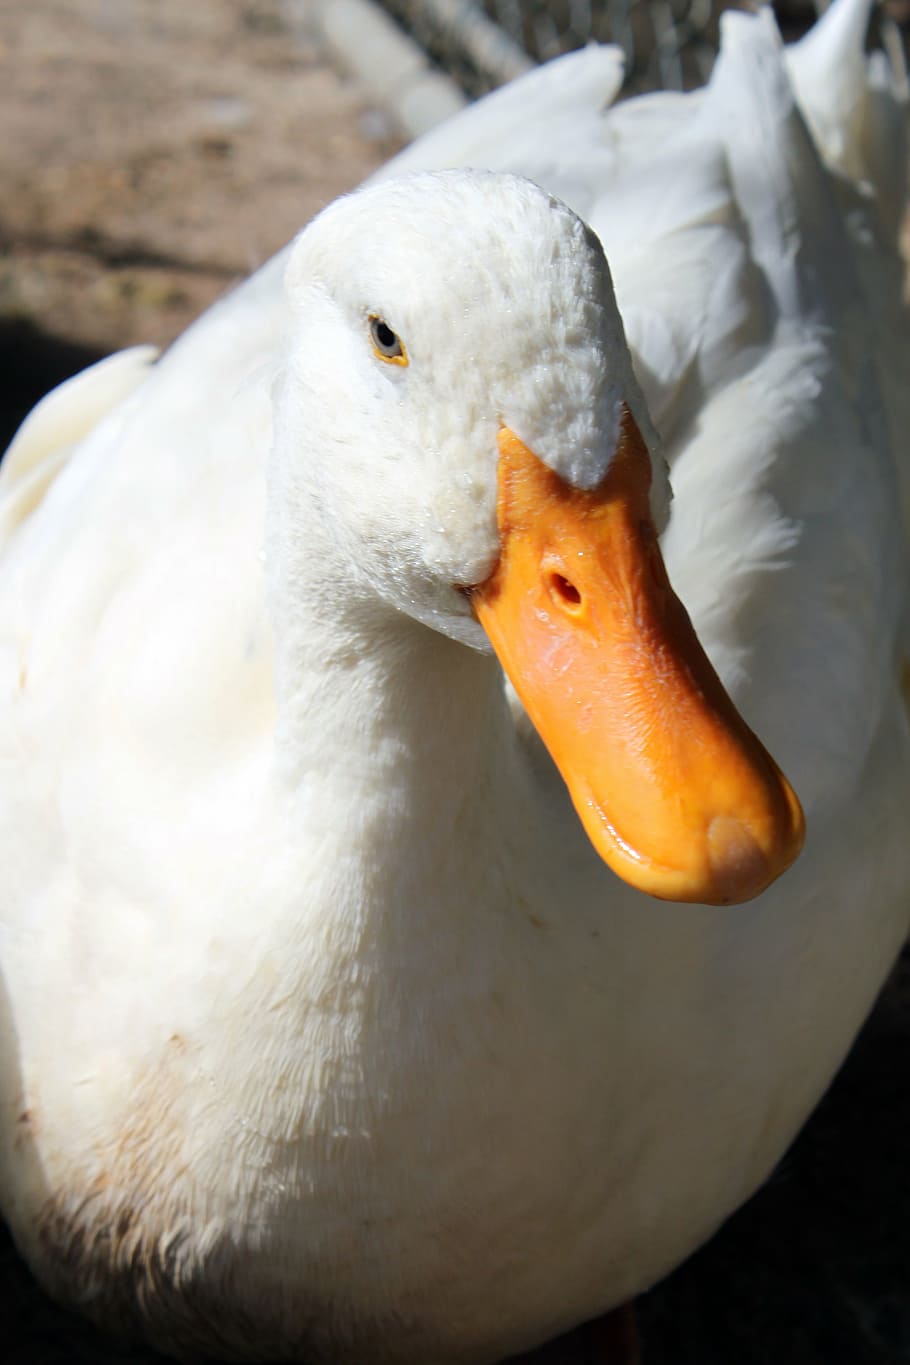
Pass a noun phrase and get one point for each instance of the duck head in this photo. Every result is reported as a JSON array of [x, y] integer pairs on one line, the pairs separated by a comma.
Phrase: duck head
[[479, 454]]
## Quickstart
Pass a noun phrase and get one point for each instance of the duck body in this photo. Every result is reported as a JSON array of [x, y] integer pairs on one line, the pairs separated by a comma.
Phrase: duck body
[[327, 1033]]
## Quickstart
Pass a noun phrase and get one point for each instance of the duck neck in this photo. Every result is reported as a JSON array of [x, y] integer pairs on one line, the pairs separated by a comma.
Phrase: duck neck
[[371, 701]]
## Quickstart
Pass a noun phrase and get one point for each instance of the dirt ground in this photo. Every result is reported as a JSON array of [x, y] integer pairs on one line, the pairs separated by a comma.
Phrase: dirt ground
[[153, 152]]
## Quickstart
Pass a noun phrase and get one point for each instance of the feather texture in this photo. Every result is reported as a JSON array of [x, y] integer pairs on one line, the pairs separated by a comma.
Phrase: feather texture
[[327, 1034]]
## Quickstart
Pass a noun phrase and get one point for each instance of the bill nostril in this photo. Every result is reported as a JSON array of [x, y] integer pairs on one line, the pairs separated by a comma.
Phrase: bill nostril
[[564, 592]]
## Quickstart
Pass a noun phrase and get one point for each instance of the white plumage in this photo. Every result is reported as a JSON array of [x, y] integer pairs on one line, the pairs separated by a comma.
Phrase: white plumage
[[327, 1033]]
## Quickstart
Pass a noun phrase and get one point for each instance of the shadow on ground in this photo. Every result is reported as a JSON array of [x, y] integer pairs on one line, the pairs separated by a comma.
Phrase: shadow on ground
[[31, 364]]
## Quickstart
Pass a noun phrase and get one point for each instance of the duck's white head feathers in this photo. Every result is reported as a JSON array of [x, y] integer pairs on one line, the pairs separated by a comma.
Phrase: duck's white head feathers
[[491, 337]]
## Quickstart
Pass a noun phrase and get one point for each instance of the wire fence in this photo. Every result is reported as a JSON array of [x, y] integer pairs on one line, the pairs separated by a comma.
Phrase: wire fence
[[668, 44]]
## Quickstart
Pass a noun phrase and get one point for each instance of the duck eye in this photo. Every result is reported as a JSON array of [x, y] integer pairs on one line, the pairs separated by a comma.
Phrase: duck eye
[[385, 342]]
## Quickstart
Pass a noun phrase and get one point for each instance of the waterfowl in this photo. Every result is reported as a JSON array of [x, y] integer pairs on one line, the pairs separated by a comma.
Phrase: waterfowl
[[344, 1017]]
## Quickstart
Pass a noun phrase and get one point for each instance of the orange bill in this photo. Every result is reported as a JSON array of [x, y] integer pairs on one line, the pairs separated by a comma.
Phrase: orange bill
[[676, 793]]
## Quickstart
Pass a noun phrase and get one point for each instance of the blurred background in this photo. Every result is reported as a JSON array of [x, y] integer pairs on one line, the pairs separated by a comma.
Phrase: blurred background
[[668, 44], [156, 151]]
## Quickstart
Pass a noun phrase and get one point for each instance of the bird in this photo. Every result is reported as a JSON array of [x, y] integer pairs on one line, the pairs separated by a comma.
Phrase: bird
[[420, 929]]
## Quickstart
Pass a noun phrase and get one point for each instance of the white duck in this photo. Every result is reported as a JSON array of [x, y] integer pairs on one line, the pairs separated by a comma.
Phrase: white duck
[[329, 1035]]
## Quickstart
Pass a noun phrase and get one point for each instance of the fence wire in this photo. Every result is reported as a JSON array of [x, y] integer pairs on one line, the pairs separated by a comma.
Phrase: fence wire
[[668, 44]]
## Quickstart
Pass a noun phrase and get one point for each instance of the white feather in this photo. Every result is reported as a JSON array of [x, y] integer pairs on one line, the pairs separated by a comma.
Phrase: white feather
[[327, 1031]]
